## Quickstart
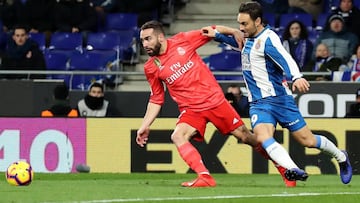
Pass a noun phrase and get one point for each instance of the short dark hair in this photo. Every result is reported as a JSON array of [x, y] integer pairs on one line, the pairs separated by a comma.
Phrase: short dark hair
[[252, 8], [61, 92], [96, 84], [156, 25], [22, 27]]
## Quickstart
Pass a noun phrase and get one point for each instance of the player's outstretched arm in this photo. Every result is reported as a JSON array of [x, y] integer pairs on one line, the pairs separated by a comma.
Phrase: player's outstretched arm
[[143, 132], [226, 30], [238, 36]]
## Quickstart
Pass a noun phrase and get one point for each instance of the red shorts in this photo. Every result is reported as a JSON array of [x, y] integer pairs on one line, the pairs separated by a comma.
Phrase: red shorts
[[224, 117]]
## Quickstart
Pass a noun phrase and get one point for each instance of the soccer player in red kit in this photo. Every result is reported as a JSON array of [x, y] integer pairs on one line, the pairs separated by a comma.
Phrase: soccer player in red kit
[[174, 62]]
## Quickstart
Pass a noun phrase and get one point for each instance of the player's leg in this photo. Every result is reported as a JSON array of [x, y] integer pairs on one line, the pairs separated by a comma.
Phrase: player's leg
[[264, 116], [243, 134], [180, 137], [292, 119], [277, 152], [306, 138], [228, 121]]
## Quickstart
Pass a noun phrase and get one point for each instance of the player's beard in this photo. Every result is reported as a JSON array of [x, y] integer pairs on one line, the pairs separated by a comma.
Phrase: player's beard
[[252, 33], [155, 50]]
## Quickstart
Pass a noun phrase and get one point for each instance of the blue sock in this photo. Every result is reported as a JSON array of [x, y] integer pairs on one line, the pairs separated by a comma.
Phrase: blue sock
[[318, 141]]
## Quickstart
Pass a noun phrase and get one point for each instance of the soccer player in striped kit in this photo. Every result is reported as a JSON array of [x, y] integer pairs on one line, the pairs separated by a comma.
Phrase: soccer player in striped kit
[[264, 62]]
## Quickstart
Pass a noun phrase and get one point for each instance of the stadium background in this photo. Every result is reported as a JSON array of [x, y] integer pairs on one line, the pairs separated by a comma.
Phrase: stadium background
[[108, 144], [58, 145]]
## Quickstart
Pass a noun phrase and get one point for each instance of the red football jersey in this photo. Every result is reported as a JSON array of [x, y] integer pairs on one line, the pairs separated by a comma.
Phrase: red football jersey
[[187, 78]]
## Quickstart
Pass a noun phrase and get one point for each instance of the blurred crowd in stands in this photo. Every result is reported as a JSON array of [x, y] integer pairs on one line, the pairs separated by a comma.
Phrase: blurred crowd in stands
[[321, 35], [35, 32]]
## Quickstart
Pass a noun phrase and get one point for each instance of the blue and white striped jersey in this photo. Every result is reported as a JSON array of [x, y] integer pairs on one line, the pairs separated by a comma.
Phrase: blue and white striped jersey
[[264, 62]]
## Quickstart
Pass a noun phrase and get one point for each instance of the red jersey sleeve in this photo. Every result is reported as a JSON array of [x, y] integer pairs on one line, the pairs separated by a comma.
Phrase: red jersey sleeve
[[196, 38], [157, 95]]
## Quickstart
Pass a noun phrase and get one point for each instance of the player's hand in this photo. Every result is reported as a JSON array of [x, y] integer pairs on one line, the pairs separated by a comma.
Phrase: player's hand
[[301, 84], [208, 31], [142, 136], [239, 37]]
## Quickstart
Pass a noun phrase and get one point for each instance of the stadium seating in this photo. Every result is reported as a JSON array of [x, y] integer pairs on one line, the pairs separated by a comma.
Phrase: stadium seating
[[88, 61], [40, 39], [3, 40], [226, 61], [270, 19], [328, 5], [107, 43], [313, 35], [128, 46], [102, 41], [57, 62], [305, 18], [126, 24], [321, 21], [121, 21], [66, 43]]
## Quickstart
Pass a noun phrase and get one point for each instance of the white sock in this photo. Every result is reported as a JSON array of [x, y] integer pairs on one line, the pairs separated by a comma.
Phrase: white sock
[[328, 147], [278, 154]]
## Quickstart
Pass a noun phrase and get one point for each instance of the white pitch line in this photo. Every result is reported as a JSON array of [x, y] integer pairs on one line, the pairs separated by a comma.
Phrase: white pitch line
[[211, 197]]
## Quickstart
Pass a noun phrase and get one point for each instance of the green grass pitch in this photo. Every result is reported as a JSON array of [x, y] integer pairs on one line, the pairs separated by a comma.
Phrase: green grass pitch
[[165, 187]]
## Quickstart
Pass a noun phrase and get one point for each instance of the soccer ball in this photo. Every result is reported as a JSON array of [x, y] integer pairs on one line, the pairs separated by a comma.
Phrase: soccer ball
[[19, 173]]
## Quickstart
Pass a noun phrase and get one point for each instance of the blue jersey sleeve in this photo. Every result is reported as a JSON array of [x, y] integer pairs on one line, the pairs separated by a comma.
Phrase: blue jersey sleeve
[[230, 40]]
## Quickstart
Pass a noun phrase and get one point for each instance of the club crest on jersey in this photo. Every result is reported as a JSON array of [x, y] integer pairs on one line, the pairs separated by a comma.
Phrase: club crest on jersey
[[258, 44], [157, 62], [181, 51]]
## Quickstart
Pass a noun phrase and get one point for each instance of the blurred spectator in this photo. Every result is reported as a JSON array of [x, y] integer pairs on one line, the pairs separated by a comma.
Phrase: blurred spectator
[[313, 7], [75, 16], [341, 43], [102, 7], [36, 14], [6, 16], [22, 53], [61, 105], [94, 104], [354, 62], [354, 111], [350, 14], [237, 99], [296, 42], [324, 62]]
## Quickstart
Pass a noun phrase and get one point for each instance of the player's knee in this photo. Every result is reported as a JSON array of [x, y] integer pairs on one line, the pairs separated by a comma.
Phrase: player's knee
[[178, 137]]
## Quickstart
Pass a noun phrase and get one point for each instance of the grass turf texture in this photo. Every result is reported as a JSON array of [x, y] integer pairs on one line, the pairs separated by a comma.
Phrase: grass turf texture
[[164, 187]]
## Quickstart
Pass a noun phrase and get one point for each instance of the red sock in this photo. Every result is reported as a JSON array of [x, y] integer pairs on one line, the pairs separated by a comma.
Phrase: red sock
[[262, 151], [192, 157]]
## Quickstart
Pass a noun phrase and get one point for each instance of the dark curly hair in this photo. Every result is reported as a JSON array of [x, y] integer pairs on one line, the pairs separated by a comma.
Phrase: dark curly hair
[[303, 33]]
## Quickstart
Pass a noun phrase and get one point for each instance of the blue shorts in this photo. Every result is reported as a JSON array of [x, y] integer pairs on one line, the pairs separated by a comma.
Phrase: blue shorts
[[280, 109]]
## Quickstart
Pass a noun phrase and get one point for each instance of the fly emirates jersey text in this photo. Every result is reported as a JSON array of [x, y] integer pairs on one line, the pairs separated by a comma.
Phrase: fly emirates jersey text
[[178, 70]]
